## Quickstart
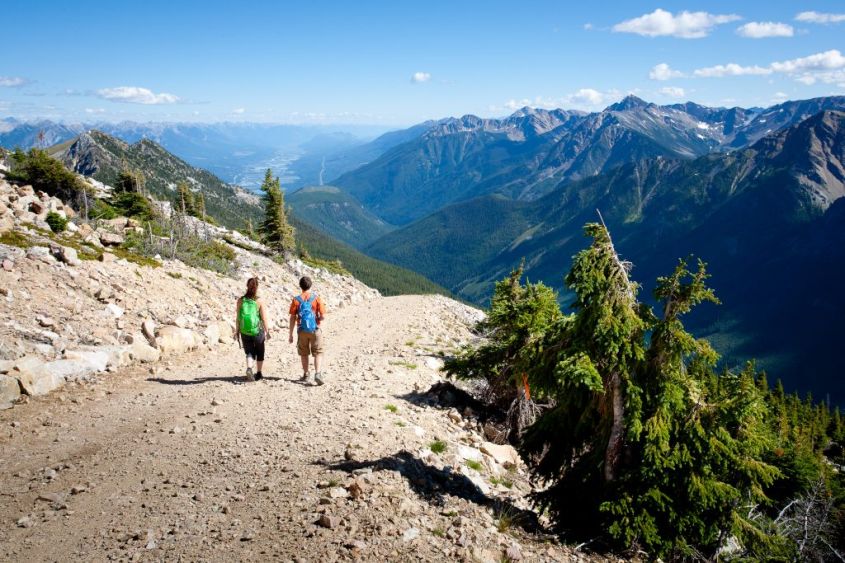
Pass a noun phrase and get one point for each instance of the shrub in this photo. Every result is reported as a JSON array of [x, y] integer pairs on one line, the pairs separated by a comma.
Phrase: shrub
[[437, 446], [45, 173], [57, 223]]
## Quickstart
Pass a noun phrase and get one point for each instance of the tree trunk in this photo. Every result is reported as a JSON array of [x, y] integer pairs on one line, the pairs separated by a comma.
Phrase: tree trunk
[[614, 442]]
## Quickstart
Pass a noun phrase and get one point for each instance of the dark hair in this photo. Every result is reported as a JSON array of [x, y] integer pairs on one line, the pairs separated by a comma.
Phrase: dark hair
[[305, 283], [251, 288]]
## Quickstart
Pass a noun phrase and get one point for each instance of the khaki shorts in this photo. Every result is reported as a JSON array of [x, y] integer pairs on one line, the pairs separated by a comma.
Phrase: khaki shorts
[[310, 343]]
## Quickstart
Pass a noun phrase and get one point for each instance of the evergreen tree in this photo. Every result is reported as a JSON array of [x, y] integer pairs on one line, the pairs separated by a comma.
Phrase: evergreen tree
[[275, 231], [186, 202]]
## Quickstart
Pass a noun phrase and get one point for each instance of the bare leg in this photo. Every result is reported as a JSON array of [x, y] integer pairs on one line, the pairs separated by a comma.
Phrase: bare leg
[[249, 362], [304, 363], [317, 361], [258, 365]]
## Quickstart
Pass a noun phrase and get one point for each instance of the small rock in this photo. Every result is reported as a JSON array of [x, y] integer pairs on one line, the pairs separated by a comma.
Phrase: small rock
[[410, 534], [25, 522], [513, 553], [338, 492], [327, 521], [76, 489]]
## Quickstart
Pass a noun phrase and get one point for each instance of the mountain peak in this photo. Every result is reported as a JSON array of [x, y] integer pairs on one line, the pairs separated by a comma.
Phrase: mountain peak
[[628, 102]]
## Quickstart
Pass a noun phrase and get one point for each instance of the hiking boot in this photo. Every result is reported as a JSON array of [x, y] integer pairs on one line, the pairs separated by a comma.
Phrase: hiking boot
[[249, 376], [259, 376], [306, 378], [320, 379]]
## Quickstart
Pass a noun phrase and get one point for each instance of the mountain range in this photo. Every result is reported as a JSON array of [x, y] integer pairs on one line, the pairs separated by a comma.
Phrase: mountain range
[[768, 219], [531, 152]]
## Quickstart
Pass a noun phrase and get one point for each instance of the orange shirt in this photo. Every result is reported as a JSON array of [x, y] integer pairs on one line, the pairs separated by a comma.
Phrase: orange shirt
[[317, 305]]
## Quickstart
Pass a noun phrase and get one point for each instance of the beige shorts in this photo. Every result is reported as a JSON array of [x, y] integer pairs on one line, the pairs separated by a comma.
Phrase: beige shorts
[[310, 343]]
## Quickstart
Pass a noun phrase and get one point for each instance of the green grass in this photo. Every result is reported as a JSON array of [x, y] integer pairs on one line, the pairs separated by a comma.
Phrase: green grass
[[406, 365], [333, 266], [473, 464], [392, 408], [500, 481], [439, 532], [400, 424], [14, 238], [437, 446], [175, 275]]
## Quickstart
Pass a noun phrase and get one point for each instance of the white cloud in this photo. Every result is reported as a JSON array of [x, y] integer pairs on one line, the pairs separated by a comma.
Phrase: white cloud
[[827, 67], [584, 98], [759, 30], [239, 111], [419, 77], [817, 17], [779, 97], [588, 27], [829, 60], [686, 25], [672, 92], [94, 110], [13, 81], [730, 69], [136, 95], [664, 72]]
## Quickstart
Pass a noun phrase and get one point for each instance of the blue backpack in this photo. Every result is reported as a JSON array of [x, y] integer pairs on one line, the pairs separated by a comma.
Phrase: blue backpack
[[307, 318]]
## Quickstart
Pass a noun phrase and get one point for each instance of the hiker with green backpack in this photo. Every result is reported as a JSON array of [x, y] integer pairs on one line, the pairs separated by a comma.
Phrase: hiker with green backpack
[[252, 329]]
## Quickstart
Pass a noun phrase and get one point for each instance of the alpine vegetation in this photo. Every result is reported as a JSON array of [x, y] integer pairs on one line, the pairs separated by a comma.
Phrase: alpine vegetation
[[660, 451]]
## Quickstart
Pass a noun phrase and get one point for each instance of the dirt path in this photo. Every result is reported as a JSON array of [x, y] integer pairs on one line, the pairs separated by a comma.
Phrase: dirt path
[[192, 464]]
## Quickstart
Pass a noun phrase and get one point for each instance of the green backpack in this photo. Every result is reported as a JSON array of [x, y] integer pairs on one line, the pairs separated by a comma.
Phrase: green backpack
[[248, 317]]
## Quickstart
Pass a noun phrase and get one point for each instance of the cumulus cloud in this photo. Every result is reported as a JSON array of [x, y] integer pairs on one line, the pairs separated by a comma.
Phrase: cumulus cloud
[[664, 72], [818, 17], [136, 95], [419, 77], [239, 111], [730, 69], [827, 67], [672, 92], [759, 30], [584, 98], [13, 81], [686, 25]]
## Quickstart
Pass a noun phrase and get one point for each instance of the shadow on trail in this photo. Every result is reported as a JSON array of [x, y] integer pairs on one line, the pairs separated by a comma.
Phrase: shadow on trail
[[445, 395], [236, 380], [432, 485]]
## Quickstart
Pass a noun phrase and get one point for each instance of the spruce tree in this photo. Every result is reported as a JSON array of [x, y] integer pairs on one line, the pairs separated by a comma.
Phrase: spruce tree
[[275, 230], [186, 202]]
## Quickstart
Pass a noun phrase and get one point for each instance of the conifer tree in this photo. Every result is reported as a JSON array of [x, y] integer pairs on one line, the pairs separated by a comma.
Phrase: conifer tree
[[275, 231], [186, 202]]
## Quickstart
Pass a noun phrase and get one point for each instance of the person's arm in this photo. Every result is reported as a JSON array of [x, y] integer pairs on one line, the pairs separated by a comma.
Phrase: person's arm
[[321, 309], [292, 322], [264, 322], [291, 325], [237, 318]]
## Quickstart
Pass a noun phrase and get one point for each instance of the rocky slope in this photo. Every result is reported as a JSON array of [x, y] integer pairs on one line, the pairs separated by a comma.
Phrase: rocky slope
[[128, 432]]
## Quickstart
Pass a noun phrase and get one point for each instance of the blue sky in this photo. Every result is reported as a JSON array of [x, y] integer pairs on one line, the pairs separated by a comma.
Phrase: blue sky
[[401, 62]]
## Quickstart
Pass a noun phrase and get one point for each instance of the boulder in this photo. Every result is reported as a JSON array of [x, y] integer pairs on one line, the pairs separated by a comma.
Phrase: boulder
[[41, 253], [174, 339], [143, 352], [109, 239], [36, 378], [148, 329], [10, 389], [98, 360], [85, 230], [7, 223], [117, 224], [503, 454], [107, 257], [212, 334], [113, 310], [65, 254]]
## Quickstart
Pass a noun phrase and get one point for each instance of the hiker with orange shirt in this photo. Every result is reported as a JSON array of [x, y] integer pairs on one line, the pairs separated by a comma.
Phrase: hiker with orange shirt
[[306, 313]]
